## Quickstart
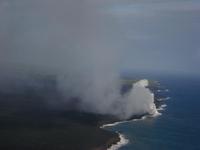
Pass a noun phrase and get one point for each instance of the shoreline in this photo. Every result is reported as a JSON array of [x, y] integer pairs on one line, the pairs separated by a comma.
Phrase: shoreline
[[122, 142], [158, 107], [27, 124]]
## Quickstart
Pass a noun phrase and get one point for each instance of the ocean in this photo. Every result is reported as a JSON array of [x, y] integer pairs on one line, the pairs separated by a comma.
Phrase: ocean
[[179, 125]]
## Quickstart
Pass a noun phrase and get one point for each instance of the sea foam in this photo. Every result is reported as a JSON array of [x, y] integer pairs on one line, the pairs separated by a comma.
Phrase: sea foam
[[123, 141], [163, 99]]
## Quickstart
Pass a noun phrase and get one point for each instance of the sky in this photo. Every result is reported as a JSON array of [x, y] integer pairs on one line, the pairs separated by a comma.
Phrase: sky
[[146, 35], [159, 35]]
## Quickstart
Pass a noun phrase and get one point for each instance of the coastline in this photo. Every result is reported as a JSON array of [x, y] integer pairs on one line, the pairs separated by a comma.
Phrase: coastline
[[123, 141], [58, 126]]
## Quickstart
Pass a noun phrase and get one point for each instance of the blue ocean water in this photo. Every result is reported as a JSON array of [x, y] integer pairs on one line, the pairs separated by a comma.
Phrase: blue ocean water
[[179, 125]]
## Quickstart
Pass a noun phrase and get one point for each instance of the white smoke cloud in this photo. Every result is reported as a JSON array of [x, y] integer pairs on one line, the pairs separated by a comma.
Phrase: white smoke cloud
[[140, 100], [70, 39], [105, 98]]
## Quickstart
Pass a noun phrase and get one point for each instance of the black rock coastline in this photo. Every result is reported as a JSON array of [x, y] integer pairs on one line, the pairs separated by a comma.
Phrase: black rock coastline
[[27, 121]]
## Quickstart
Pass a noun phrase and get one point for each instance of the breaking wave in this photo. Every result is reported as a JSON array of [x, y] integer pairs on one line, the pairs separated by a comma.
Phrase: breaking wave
[[123, 141]]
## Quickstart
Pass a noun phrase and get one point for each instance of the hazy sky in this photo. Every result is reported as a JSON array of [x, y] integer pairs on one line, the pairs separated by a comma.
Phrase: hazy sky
[[162, 35], [153, 35]]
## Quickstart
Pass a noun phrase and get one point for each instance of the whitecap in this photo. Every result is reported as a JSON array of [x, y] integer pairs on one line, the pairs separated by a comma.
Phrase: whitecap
[[163, 99], [166, 90], [162, 107]]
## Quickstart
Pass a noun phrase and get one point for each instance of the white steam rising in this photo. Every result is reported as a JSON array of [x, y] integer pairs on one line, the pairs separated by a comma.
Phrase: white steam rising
[[72, 40], [105, 98], [140, 100]]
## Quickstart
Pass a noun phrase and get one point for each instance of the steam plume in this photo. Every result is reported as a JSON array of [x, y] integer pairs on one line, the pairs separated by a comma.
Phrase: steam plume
[[71, 40]]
